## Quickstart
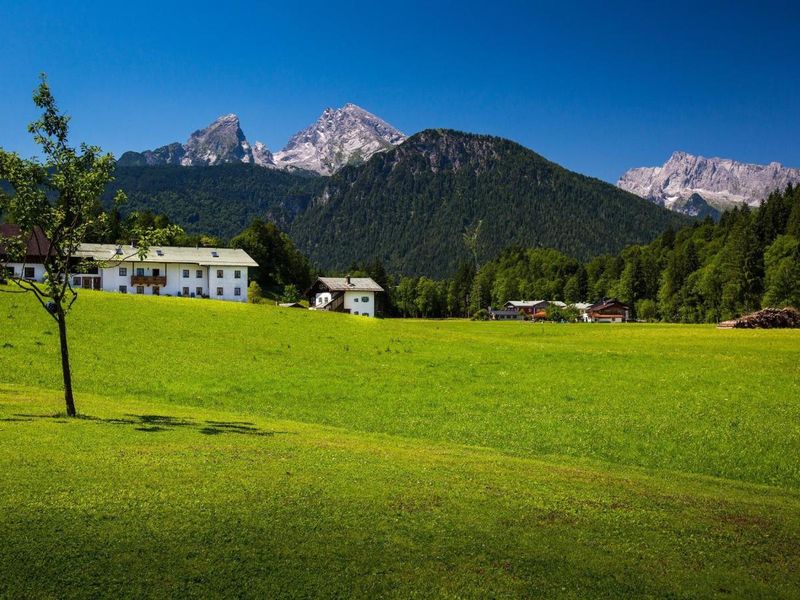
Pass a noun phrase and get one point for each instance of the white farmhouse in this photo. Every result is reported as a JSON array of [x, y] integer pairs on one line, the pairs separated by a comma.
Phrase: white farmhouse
[[218, 273], [354, 295]]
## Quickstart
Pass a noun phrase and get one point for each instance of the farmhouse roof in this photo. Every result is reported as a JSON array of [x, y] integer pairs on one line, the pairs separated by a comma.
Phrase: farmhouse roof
[[214, 257], [38, 245], [607, 303], [524, 303], [350, 284]]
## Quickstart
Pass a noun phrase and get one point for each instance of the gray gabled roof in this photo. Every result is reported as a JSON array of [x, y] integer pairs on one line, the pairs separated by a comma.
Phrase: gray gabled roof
[[221, 257], [356, 284], [525, 303]]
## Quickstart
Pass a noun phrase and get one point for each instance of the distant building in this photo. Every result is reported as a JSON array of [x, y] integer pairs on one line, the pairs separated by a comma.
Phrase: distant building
[[353, 295], [526, 307], [37, 251], [534, 309], [505, 314], [583, 310], [609, 310]]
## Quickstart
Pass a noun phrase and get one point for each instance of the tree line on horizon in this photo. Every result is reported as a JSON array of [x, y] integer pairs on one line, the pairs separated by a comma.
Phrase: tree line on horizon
[[704, 273]]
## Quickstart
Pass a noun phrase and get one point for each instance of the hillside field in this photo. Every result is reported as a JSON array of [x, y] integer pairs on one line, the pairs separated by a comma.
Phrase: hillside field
[[251, 451]]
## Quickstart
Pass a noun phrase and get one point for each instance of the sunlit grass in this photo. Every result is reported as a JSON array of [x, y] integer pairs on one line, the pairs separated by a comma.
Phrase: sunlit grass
[[249, 451]]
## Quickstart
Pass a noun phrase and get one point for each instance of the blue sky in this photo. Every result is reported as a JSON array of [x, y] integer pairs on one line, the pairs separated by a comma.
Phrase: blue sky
[[595, 86]]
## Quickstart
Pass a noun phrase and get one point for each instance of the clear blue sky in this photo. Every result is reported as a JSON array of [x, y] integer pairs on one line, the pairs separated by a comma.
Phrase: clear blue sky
[[596, 86]]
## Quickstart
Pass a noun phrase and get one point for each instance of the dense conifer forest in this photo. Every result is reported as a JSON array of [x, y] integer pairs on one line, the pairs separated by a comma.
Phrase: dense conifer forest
[[706, 272]]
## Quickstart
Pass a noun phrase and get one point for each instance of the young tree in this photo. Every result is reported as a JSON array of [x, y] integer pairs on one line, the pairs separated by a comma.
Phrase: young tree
[[290, 293], [54, 203]]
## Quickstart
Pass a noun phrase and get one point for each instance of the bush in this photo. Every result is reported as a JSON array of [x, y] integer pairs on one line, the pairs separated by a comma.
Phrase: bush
[[481, 315], [557, 314], [254, 293]]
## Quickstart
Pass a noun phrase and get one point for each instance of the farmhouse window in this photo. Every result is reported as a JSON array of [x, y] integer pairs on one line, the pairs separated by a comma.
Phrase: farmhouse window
[[186, 291], [186, 273], [30, 273], [140, 289], [219, 291], [199, 291], [199, 273], [365, 298], [355, 299], [237, 274], [123, 271], [219, 273], [123, 289], [237, 291], [77, 281], [140, 272], [156, 290]]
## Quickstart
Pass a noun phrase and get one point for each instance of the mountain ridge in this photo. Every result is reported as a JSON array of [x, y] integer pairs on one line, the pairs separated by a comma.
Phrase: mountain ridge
[[721, 182], [338, 137]]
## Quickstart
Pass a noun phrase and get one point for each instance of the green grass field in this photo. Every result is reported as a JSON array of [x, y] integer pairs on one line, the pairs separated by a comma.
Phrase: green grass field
[[250, 451]]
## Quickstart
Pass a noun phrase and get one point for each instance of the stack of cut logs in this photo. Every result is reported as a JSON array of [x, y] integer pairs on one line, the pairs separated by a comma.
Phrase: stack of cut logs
[[767, 318]]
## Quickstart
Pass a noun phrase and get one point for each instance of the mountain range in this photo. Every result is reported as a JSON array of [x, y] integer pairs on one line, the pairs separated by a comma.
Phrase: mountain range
[[697, 186], [341, 136], [408, 205]]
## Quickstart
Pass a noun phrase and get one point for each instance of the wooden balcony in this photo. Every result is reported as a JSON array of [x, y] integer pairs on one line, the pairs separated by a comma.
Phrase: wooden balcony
[[160, 280]]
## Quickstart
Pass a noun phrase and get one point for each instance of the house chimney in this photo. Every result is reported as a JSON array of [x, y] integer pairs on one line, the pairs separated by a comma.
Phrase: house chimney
[[347, 279]]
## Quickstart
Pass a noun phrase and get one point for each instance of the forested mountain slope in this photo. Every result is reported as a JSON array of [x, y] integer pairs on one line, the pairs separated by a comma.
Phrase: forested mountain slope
[[410, 207], [220, 200]]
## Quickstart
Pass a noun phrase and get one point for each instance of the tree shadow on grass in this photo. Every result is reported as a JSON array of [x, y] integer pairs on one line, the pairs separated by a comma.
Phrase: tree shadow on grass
[[158, 423]]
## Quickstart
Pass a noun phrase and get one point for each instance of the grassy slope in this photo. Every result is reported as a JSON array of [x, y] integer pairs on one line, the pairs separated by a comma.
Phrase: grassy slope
[[321, 454]]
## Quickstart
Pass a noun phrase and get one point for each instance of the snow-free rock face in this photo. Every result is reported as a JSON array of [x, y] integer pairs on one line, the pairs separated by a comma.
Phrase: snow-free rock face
[[262, 156], [342, 136], [221, 142], [720, 182]]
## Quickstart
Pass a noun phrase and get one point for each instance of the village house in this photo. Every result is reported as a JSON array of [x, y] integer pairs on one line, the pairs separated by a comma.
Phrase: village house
[[608, 310], [583, 310], [505, 314], [526, 307], [36, 250], [218, 273], [354, 295], [533, 309]]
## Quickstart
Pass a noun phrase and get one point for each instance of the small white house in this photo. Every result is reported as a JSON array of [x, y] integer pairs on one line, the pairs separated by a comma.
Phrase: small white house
[[354, 295]]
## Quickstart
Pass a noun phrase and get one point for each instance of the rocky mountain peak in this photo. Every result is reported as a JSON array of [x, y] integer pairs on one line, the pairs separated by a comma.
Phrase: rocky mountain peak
[[720, 182], [339, 137], [223, 141]]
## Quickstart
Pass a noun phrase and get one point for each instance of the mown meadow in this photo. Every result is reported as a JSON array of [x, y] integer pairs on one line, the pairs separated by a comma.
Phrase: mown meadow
[[243, 450]]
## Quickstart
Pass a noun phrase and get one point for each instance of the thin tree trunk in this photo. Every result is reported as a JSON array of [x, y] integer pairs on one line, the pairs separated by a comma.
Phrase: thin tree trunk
[[62, 334]]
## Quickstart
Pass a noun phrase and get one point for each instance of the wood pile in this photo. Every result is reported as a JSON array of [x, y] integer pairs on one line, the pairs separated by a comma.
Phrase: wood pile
[[768, 318]]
